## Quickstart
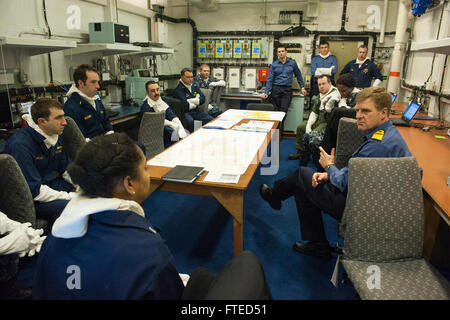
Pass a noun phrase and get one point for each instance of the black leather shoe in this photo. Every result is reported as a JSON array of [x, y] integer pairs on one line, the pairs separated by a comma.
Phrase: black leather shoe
[[294, 156], [315, 249], [266, 193]]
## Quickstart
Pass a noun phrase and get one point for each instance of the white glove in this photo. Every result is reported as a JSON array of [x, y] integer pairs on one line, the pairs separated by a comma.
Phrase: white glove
[[311, 120], [6, 224], [182, 133], [67, 177], [180, 130], [110, 132], [376, 83], [35, 242], [22, 240], [210, 107], [171, 124], [194, 102], [219, 83], [47, 194]]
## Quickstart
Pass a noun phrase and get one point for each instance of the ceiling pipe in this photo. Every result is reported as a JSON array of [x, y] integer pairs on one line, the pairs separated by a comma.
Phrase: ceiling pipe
[[383, 23], [399, 47]]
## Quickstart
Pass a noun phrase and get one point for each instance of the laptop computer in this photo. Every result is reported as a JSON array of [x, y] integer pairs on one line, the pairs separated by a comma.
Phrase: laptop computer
[[407, 116]]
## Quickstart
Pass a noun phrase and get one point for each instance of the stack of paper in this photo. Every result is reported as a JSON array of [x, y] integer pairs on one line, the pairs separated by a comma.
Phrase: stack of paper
[[257, 126]]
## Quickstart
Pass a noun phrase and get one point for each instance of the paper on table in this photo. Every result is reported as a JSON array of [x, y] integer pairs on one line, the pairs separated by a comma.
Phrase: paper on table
[[222, 177], [250, 114], [261, 126], [222, 123], [227, 151]]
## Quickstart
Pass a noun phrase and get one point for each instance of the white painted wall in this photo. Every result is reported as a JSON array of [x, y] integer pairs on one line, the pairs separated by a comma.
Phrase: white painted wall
[[24, 18]]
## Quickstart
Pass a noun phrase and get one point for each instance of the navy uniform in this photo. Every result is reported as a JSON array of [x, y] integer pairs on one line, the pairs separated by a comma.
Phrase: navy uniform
[[182, 93], [215, 93], [41, 166], [119, 257], [319, 62], [279, 82], [364, 73], [92, 122], [382, 142], [168, 131]]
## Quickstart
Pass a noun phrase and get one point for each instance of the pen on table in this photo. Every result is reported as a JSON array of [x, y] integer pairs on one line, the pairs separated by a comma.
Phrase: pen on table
[[217, 128]]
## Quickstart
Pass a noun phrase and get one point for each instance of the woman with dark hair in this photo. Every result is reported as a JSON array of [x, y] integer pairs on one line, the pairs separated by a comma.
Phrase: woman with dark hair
[[328, 135], [346, 85], [102, 247]]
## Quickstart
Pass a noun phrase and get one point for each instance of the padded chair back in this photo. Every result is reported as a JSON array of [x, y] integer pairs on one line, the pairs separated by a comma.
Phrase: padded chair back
[[73, 139], [349, 138], [208, 96], [216, 94], [151, 133], [174, 104], [261, 106], [384, 214], [16, 200]]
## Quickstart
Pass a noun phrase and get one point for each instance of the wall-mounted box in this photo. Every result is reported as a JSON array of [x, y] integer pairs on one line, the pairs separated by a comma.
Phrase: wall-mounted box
[[108, 32]]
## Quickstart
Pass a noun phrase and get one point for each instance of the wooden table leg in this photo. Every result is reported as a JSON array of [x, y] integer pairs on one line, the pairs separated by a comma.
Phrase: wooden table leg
[[233, 202]]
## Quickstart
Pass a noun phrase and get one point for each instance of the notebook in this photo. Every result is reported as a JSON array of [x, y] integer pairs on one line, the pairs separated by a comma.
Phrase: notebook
[[407, 116], [186, 174]]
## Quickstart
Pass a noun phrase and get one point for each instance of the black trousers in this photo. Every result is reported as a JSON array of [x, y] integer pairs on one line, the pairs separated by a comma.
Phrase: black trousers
[[330, 138], [311, 201], [281, 97], [242, 278]]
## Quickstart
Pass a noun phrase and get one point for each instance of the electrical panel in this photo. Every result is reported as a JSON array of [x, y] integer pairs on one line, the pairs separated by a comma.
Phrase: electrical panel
[[201, 50], [219, 50], [234, 76], [250, 78], [206, 48], [219, 73], [256, 49], [246, 49], [233, 48], [228, 49], [237, 50]]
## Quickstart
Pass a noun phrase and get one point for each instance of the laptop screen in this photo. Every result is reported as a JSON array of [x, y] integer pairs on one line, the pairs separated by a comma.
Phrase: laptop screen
[[411, 111]]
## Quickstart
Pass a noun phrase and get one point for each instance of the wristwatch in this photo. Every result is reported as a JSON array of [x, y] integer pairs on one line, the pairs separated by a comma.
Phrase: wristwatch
[[328, 166]]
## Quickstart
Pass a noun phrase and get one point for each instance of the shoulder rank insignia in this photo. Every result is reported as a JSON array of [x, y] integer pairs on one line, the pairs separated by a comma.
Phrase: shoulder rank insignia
[[88, 117], [378, 135]]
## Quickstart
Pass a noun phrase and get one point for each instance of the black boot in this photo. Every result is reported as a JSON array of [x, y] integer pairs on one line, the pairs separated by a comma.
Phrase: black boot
[[294, 156]]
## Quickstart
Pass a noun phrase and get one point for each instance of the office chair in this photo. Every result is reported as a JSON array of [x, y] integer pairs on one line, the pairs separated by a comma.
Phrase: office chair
[[174, 104], [16, 200], [72, 137], [383, 226], [151, 133], [261, 106], [204, 106], [349, 138]]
